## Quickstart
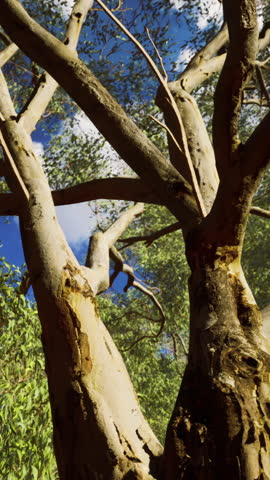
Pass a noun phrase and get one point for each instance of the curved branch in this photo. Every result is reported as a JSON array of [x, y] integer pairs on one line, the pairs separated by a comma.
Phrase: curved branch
[[183, 152], [97, 260], [116, 188], [149, 239], [123, 267]]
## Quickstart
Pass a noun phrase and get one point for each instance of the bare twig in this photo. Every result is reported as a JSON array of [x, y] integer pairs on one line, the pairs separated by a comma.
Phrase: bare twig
[[163, 125], [149, 239], [123, 267], [158, 55], [163, 83], [260, 212], [182, 343]]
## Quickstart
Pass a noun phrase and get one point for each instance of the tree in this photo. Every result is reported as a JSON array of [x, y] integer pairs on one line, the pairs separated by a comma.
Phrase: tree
[[220, 424]]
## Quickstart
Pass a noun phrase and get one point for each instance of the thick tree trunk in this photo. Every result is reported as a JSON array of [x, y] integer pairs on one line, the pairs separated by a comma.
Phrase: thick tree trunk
[[220, 426], [99, 430]]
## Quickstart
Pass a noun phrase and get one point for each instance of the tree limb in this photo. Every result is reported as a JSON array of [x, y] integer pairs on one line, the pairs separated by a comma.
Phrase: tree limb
[[116, 188], [261, 212], [149, 239], [205, 62], [44, 90], [97, 260], [7, 53], [243, 32], [7, 111], [255, 154]]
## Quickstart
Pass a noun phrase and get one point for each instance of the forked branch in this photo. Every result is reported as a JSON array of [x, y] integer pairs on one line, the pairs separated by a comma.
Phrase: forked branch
[[47, 85]]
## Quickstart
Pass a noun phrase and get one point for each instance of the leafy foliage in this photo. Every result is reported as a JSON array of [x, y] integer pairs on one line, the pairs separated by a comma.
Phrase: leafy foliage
[[25, 423]]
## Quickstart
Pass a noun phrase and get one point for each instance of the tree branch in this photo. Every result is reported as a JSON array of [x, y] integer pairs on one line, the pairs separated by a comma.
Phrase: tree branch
[[123, 267], [149, 239], [7, 112], [243, 32], [205, 62], [7, 53], [97, 260], [255, 154], [44, 90], [121, 132], [116, 188], [261, 212], [183, 151]]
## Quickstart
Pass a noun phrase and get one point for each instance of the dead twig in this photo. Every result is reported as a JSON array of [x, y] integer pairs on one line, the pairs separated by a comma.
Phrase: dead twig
[[149, 239], [132, 282]]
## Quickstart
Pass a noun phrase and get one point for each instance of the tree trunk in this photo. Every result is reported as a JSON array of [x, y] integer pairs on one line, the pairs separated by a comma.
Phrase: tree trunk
[[99, 430], [220, 425]]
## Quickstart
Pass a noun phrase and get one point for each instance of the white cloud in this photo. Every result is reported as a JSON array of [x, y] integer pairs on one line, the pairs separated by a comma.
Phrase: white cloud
[[184, 56], [177, 4], [39, 150], [83, 127], [64, 7], [77, 222], [211, 10]]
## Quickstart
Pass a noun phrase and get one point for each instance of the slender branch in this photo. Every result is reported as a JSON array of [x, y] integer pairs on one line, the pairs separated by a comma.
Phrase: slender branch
[[7, 111], [182, 343], [123, 267], [261, 212], [21, 189], [163, 125], [158, 55], [163, 83], [149, 239]]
